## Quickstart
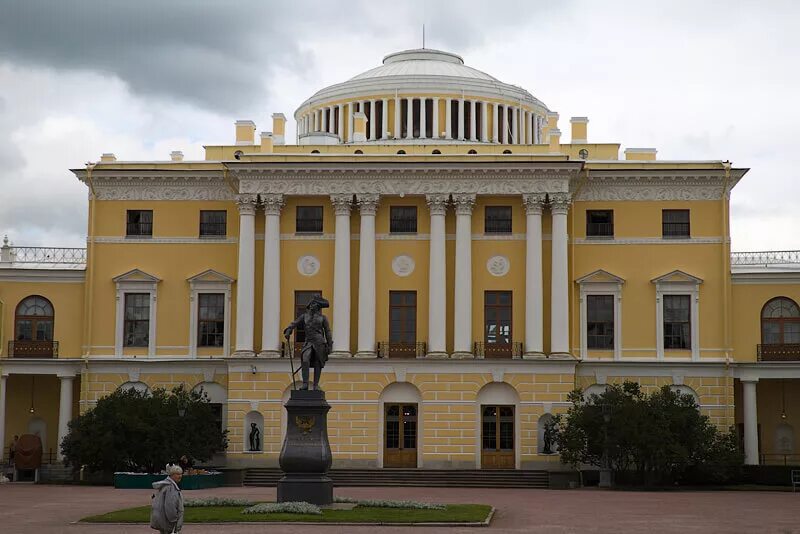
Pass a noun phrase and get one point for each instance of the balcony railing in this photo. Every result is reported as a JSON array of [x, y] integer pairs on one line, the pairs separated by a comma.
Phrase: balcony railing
[[779, 352], [774, 257], [387, 349], [498, 350], [33, 349], [67, 256]]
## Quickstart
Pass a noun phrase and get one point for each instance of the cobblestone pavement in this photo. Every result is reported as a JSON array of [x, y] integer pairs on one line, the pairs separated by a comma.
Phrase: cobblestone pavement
[[55, 509]]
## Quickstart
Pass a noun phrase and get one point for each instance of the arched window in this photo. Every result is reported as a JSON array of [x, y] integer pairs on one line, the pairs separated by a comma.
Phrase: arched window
[[780, 322], [315, 151], [506, 151], [401, 151], [472, 151], [358, 152], [436, 151], [34, 322]]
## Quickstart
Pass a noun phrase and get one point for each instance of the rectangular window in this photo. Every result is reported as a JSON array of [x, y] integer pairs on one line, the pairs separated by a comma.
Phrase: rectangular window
[[677, 322], [309, 220], [497, 317], [213, 223], [403, 219], [599, 223], [497, 220], [301, 300], [139, 223], [402, 317], [600, 322], [675, 223], [136, 330], [210, 319]]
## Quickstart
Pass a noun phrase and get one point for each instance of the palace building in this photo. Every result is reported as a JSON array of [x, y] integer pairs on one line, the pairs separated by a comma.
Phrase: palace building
[[479, 267]]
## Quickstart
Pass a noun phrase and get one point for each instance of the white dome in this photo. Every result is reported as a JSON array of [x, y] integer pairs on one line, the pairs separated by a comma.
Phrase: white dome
[[424, 62]]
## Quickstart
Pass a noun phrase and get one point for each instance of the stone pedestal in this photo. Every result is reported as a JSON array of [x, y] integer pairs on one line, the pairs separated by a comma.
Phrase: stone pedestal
[[306, 453]]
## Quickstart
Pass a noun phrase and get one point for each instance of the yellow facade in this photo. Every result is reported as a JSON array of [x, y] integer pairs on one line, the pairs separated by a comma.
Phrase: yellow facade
[[548, 254]]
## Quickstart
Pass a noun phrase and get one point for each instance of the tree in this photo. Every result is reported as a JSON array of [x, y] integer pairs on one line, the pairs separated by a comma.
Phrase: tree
[[134, 431], [661, 437]]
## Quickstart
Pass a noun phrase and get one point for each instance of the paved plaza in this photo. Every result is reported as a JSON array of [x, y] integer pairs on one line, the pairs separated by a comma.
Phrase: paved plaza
[[54, 509]]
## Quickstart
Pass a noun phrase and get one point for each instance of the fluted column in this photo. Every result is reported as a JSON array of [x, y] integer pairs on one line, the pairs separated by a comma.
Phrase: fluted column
[[340, 123], [437, 279], [397, 118], [495, 124], [559, 292], [462, 313], [271, 300], [750, 421], [341, 277], [484, 122], [324, 126], [515, 125], [448, 118], [316, 120], [245, 282], [435, 119], [523, 126], [368, 205], [64, 409], [473, 120], [410, 118], [423, 124], [460, 119], [350, 125], [372, 120], [384, 118], [534, 300]]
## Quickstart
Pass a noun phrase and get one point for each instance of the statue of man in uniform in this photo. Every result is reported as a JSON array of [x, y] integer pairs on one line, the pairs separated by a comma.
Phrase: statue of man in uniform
[[318, 341]]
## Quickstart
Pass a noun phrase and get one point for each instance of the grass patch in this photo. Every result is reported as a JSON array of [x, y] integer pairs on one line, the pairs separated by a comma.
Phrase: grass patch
[[454, 513]]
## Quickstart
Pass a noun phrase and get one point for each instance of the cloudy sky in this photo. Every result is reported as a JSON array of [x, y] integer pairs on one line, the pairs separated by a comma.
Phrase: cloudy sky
[[697, 80]]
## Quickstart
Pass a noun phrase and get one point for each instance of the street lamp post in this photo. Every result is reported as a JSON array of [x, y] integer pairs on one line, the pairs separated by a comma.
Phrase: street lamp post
[[605, 469]]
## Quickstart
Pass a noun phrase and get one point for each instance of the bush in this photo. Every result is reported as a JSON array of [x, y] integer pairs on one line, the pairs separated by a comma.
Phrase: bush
[[380, 503], [217, 501], [134, 432], [284, 508], [661, 438]]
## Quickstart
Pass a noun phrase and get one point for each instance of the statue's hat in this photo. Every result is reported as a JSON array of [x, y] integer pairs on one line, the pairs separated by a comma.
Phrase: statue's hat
[[321, 301]]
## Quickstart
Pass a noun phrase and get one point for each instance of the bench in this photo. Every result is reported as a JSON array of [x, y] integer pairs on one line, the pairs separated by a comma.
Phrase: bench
[[795, 479]]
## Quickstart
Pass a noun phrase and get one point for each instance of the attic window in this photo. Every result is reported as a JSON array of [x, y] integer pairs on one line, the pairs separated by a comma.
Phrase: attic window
[[473, 151], [436, 152], [506, 151], [238, 154], [315, 151], [358, 152], [401, 151]]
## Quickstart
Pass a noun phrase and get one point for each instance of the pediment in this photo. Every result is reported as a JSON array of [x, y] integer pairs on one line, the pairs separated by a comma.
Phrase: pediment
[[210, 275], [136, 275], [600, 277], [677, 277]]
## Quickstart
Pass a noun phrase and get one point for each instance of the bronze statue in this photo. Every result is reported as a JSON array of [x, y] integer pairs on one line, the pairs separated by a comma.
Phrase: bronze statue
[[318, 341], [255, 437]]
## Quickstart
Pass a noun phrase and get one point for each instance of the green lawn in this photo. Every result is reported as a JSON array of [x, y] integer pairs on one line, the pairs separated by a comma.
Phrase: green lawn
[[455, 513]]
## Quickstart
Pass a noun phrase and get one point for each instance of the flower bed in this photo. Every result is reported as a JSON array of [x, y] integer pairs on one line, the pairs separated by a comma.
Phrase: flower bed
[[212, 479]]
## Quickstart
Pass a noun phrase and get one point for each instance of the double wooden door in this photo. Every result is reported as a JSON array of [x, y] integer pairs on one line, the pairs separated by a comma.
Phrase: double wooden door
[[497, 437], [400, 435]]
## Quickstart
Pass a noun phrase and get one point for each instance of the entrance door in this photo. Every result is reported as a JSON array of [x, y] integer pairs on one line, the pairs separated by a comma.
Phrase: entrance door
[[402, 324], [400, 435], [497, 437]]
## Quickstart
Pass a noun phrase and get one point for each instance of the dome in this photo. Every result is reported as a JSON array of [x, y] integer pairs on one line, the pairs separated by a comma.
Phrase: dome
[[424, 62]]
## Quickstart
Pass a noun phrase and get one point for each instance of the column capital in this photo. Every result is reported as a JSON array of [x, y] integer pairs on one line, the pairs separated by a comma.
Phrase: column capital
[[341, 204], [464, 203], [368, 204], [437, 204], [272, 204], [247, 203], [533, 202], [559, 203]]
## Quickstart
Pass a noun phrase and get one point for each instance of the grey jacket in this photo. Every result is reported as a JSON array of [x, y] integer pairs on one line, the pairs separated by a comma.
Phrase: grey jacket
[[167, 513]]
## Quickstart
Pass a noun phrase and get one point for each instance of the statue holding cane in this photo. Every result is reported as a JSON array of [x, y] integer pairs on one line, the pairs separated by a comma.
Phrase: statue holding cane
[[318, 342]]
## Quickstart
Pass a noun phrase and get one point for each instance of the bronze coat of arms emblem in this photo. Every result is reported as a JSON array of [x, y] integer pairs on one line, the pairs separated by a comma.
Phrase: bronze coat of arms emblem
[[305, 422]]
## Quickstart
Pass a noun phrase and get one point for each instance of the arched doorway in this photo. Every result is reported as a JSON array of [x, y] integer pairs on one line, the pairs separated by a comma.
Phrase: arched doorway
[[401, 425], [497, 415], [33, 328]]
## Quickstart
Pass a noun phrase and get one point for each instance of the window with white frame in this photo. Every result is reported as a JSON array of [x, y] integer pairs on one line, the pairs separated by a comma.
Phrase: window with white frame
[[601, 313], [677, 313], [135, 312], [210, 312]]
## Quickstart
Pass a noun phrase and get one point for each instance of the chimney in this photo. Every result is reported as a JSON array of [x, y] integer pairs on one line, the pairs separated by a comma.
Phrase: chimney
[[267, 141], [278, 128], [554, 139], [579, 129], [359, 127], [108, 157], [176, 155], [550, 124], [245, 132], [640, 154]]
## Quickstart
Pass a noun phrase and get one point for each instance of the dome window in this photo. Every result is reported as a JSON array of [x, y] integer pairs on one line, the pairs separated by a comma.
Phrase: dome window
[[401, 151], [583, 153], [472, 151], [358, 152], [238, 154], [506, 151], [315, 151], [436, 151]]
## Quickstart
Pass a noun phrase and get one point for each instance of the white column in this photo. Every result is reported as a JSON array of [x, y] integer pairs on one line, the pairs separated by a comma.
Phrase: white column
[[397, 118], [3, 388], [350, 125], [504, 124], [324, 112], [484, 122], [64, 410], [384, 118], [372, 120], [559, 291], [368, 205], [437, 279], [435, 119], [462, 312], [271, 299], [473, 110], [410, 118], [534, 301], [495, 122], [530, 129], [523, 127], [515, 126], [460, 119], [750, 420], [340, 124], [316, 120], [245, 283], [448, 118], [423, 124], [341, 276]]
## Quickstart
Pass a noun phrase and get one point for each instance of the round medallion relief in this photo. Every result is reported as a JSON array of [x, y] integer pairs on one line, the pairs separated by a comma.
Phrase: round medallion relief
[[308, 265], [403, 265], [498, 265]]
